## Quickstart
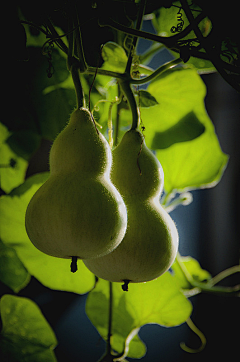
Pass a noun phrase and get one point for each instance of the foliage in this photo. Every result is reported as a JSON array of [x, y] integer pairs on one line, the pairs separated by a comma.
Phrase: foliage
[[25, 335], [117, 83]]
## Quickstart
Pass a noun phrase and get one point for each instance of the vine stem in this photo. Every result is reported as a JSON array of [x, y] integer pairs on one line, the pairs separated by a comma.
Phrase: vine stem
[[127, 91], [117, 123], [207, 287], [110, 312], [157, 72], [75, 66], [78, 87], [135, 39], [79, 45], [201, 336]]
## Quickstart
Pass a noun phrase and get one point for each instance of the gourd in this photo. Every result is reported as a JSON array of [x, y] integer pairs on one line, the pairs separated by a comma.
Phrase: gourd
[[77, 212], [150, 244]]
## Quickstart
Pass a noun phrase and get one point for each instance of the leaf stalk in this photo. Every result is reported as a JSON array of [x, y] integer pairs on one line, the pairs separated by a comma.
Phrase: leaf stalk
[[208, 287]]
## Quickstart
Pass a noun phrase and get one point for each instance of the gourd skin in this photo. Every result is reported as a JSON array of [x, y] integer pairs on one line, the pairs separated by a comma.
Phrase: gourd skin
[[77, 211], [150, 244]]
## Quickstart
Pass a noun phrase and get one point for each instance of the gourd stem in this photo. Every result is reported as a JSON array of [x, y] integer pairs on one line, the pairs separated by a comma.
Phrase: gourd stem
[[127, 91], [73, 67], [78, 86]]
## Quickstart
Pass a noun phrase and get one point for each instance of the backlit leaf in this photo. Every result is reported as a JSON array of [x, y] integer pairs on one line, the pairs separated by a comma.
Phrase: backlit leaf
[[114, 57], [187, 163], [159, 301], [26, 336], [193, 268]]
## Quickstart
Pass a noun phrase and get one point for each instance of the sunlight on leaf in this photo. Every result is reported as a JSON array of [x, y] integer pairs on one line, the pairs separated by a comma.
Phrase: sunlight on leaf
[[114, 57], [193, 268], [51, 272], [159, 301], [187, 163], [25, 334]]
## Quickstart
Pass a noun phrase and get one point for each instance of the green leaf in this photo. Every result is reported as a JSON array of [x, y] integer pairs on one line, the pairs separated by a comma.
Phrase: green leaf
[[146, 99], [24, 143], [26, 336], [12, 166], [188, 128], [193, 268], [51, 272], [159, 301], [187, 164], [114, 56], [12, 271]]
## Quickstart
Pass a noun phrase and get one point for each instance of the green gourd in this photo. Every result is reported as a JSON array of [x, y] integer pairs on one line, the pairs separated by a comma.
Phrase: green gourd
[[77, 212], [150, 244]]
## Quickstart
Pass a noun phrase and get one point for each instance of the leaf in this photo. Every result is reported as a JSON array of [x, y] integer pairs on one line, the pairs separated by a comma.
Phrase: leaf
[[191, 164], [147, 99], [159, 301], [51, 272], [24, 143], [12, 271], [12, 166], [26, 336], [193, 268], [114, 57], [188, 128]]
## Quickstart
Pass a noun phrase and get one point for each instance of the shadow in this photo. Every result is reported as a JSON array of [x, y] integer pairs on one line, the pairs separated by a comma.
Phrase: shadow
[[187, 129]]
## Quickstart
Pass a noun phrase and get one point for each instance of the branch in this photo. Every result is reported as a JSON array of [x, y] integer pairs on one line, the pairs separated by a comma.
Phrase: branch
[[167, 41]]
